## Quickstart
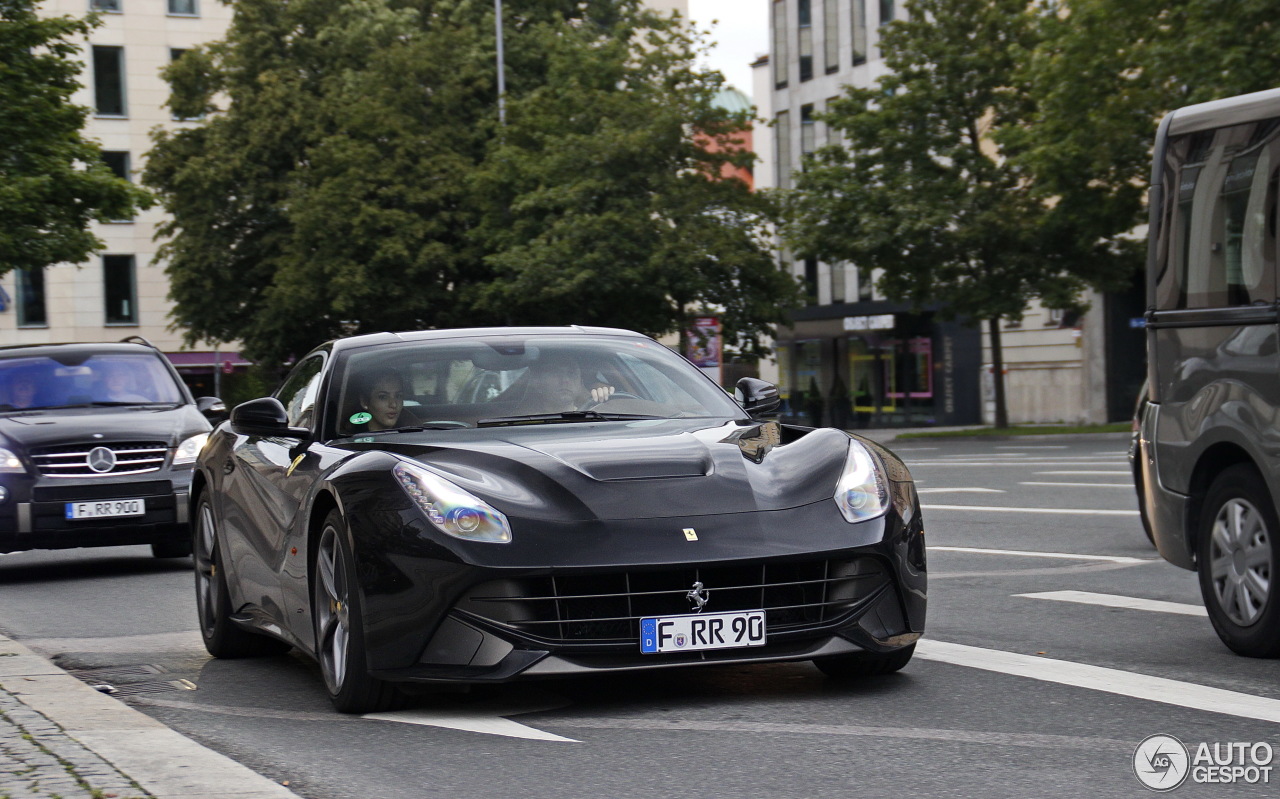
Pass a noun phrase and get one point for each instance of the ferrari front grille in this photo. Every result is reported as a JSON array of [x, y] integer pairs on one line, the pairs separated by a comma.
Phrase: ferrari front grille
[[606, 608]]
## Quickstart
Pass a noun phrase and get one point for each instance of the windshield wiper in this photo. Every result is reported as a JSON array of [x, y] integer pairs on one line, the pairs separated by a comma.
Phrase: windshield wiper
[[105, 404], [413, 428], [564, 416]]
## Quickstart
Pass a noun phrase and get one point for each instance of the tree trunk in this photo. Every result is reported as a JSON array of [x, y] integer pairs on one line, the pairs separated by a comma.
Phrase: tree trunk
[[997, 366]]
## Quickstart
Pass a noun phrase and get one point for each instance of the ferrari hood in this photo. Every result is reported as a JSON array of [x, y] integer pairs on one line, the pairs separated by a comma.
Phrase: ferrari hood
[[633, 470]]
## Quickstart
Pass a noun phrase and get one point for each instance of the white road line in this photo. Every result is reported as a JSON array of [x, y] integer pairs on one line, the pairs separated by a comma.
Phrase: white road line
[[1097, 678], [1117, 601], [469, 721], [1066, 511], [1125, 473], [1031, 446], [1128, 486], [960, 490], [1013, 462], [1023, 553]]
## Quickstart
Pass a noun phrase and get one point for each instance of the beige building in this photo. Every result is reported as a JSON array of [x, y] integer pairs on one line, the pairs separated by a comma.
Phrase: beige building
[[120, 291]]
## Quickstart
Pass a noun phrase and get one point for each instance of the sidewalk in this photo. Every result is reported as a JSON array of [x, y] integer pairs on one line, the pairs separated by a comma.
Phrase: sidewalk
[[61, 738]]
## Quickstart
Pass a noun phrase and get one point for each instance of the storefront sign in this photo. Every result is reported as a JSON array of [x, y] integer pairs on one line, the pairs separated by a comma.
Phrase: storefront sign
[[878, 322]]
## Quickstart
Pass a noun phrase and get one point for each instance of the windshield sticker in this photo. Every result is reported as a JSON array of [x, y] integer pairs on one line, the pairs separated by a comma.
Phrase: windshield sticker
[[360, 418]]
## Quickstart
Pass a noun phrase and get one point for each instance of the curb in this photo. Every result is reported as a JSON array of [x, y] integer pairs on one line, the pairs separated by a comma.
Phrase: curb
[[164, 763]]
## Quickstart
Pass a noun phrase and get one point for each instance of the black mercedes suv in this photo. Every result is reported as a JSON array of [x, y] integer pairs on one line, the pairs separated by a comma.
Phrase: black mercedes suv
[[97, 444]]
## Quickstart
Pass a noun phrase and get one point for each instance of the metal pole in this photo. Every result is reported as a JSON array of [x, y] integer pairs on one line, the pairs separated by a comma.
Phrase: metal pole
[[502, 72]]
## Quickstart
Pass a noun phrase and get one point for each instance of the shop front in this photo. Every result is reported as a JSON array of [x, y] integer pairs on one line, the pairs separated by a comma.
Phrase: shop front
[[872, 365]]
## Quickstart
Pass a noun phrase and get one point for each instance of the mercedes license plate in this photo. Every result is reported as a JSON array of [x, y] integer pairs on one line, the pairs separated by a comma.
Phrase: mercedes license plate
[[697, 631], [106, 509]]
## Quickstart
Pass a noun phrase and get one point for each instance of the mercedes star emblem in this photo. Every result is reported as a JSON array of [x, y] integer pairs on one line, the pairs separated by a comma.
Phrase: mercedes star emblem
[[101, 460]]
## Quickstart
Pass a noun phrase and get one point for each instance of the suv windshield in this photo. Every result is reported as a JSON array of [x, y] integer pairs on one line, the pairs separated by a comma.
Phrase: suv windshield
[[501, 380], [35, 383]]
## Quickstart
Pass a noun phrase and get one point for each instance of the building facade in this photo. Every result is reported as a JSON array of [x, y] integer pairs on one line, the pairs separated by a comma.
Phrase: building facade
[[853, 358]]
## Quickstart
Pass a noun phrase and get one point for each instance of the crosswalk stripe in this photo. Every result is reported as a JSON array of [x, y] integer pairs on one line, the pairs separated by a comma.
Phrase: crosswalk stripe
[[1117, 601]]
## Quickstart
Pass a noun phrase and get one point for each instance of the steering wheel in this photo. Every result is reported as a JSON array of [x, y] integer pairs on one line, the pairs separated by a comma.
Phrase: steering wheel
[[591, 403]]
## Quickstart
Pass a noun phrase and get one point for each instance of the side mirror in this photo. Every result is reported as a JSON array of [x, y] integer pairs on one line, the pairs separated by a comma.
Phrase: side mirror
[[264, 417], [212, 408], [757, 397]]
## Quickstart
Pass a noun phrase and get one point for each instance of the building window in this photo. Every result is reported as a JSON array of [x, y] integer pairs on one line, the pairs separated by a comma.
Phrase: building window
[[831, 35], [886, 11], [780, 55], [866, 286], [108, 81], [119, 290], [859, 9], [837, 282], [808, 131], [110, 6], [811, 280], [805, 17], [31, 306], [118, 162], [184, 8], [782, 146], [833, 133]]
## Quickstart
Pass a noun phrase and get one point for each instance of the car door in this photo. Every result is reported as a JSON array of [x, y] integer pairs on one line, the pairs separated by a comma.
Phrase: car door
[[268, 488]]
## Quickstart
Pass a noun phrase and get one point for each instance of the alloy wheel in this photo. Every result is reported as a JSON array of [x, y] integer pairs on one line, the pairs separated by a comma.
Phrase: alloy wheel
[[333, 624], [206, 570]]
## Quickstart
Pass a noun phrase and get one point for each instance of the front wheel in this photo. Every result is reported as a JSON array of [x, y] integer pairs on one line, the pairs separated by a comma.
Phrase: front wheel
[[339, 627], [864, 664], [1236, 561], [223, 638]]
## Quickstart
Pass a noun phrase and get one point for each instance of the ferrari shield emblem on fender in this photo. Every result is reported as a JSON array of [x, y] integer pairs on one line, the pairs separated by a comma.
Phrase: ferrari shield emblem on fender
[[690, 534]]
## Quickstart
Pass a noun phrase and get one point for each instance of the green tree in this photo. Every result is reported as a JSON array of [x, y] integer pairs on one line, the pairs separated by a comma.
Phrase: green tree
[[921, 187], [1102, 75], [351, 176], [53, 182]]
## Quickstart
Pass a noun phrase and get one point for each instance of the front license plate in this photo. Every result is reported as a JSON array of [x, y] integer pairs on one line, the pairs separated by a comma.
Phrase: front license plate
[[106, 508], [698, 631]]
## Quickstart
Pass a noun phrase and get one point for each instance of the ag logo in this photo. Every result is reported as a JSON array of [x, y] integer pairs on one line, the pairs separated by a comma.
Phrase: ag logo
[[1161, 762]]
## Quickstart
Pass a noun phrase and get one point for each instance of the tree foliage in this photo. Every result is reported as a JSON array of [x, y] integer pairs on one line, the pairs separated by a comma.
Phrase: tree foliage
[[351, 175], [53, 182]]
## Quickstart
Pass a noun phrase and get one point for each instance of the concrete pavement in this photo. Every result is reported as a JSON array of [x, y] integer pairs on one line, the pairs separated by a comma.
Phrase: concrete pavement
[[61, 738]]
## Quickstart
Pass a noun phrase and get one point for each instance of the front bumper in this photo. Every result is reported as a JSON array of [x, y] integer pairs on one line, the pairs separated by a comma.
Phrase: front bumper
[[828, 588], [34, 514]]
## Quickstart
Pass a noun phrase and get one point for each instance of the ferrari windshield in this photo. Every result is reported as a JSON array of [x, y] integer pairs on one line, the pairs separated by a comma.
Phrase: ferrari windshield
[[39, 382], [506, 380]]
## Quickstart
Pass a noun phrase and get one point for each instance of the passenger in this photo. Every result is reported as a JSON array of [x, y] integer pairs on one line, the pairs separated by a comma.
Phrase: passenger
[[381, 403], [117, 383], [22, 390], [555, 385]]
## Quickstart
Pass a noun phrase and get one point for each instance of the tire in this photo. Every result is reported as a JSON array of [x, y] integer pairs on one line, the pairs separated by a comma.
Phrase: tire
[[223, 638], [1237, 562], [171, 549], [339, 627], [864, 664]]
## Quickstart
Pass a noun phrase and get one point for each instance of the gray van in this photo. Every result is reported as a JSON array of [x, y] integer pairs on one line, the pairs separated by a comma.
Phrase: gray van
[[1209, 442]]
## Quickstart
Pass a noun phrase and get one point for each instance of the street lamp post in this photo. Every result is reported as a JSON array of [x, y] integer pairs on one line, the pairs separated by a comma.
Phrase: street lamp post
[[502, 72]]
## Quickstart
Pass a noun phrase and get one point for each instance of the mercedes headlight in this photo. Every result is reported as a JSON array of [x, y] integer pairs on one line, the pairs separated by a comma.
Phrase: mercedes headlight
[[188, 450], [451, 509], [10, 463], [863, 491]]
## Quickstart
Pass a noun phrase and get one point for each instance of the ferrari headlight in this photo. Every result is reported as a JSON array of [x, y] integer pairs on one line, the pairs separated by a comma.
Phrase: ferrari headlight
[[863, 492], [451, 509], [189, 449], [9, 463]]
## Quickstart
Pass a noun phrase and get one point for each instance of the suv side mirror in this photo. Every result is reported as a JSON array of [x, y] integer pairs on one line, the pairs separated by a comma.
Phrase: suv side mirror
[[264, 417], [757, 397], [212, 408]]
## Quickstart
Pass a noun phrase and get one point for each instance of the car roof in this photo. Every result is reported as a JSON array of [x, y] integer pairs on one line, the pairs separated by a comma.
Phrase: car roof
[[373, 339], [52, 350]]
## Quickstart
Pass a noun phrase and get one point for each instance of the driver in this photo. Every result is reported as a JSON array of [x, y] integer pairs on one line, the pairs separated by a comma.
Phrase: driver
[[556, 385]]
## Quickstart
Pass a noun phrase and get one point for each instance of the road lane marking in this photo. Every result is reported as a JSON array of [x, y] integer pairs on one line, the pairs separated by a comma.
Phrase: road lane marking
[[1117, 601], [960, 490], [1024, 553], [1031, 446], [1128, 486], [1067, 511], [1077, 473], [1035, 740], [1098, 678], [469, 721], [1010, 462]]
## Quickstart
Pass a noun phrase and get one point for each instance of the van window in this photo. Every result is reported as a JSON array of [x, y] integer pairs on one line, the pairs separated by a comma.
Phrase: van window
[[1221, 239]]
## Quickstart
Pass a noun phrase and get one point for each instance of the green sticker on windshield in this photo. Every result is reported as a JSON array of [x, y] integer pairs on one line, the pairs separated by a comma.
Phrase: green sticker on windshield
[[360, 418]]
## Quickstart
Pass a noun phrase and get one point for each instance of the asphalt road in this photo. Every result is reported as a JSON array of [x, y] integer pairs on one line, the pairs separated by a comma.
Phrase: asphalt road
[[1057, 641]]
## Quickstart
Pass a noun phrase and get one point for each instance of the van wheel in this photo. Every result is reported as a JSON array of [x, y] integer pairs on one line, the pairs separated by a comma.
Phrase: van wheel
[[1237, 552]]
